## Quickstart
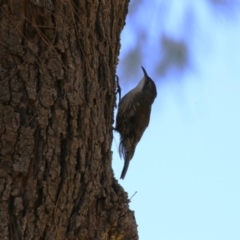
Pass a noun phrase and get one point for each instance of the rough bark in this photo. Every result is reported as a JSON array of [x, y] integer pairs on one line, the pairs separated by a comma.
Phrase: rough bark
[[57, 94]]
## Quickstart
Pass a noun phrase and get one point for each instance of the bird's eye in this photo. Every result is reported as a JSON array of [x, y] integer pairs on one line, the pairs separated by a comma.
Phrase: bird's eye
[[148, 82]]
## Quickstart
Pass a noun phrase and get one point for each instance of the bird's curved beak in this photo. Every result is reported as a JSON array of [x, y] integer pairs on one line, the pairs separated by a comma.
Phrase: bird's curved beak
[[144, 71]]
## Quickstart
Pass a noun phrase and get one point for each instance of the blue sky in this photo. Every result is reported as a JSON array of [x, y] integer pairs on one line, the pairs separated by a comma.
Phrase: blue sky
[[186, 168]]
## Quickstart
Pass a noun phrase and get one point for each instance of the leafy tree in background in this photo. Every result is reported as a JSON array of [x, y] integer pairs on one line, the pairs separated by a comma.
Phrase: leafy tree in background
[[152, 41], [57, 95]]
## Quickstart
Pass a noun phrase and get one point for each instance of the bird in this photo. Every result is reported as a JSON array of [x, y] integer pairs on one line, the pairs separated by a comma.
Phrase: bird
[[133, 117]]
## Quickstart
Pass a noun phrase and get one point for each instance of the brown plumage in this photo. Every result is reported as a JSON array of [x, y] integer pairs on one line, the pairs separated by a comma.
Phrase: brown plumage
[[133, 117]]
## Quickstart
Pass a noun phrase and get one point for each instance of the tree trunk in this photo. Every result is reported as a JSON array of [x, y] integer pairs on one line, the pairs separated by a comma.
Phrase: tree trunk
[[57, 95]]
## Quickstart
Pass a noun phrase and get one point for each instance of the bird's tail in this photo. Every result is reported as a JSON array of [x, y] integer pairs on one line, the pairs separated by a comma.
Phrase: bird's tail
[[125, 168], [126, 149]]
